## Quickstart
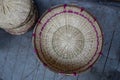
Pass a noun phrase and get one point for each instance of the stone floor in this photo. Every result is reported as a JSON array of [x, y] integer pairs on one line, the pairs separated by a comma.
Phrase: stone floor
[[18, 60]]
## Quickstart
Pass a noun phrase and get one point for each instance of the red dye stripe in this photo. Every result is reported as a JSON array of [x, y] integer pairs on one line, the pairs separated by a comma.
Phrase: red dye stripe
[[49, 10], [82, 9], [40, 33], [65, 5], [76, 13], [74, 73], [33, 34], [70, 11], [94, 19], [100, 53], [39, 21], [64, 11]]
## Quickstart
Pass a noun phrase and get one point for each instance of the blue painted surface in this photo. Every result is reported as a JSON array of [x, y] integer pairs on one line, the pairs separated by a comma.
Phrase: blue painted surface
[[19, 62]]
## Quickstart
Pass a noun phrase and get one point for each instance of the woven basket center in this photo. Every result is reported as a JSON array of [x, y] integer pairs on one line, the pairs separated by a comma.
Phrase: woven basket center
[[68, 42]]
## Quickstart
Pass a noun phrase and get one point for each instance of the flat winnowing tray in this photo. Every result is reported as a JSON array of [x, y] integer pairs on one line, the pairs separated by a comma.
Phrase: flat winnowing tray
[[68, 39]]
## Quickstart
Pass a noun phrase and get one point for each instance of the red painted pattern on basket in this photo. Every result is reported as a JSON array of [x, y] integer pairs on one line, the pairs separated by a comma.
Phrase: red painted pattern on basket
[[75, 74], [94, 19], [49, 10], [70, 11], [100, 53], [77, 13], [65, 5], [39, 21], [33, 34], [81, 9]]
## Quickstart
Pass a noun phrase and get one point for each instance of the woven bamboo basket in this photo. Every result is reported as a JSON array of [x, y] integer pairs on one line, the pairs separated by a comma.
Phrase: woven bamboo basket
[[17, 16], [24, 28], [67, 39]]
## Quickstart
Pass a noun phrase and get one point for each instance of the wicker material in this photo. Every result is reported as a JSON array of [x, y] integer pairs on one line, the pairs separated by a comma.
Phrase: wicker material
[[13, 12], [17, 16], [67, 39], [23, 29]]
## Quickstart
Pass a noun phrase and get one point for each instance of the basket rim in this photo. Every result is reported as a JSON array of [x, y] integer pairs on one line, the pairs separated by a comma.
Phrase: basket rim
[[33, 38]]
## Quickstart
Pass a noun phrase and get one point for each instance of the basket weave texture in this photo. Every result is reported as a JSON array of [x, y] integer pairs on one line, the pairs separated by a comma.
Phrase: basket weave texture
[[68, 39], [17, 16]]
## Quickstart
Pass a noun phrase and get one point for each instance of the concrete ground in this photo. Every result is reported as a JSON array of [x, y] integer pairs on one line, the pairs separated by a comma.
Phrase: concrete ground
[[18, 60]]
